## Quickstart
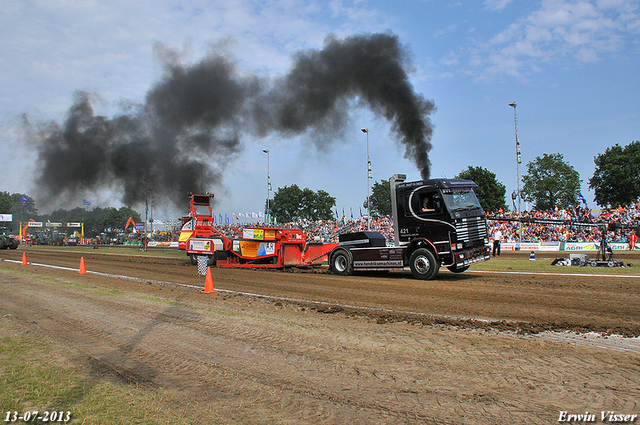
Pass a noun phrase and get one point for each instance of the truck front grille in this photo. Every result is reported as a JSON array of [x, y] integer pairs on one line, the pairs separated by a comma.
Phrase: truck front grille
[[471, 229]]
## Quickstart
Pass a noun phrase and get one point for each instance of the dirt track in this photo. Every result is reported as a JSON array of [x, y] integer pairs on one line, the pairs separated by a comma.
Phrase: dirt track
[[327, 349]]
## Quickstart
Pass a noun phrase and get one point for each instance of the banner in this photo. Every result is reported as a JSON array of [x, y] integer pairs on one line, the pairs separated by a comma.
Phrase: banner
[[549, 246], [54, 224], [35, 224], [581, 246], [73, 225], [6, 217]]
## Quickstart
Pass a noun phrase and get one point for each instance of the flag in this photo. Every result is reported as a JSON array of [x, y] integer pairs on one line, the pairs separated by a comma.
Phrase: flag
[[241, 215], [234, 216], [351, 209], [361, 212], [214, 218], [337, 216], [369, 167], [85, 202], [582, 199], [220, 215], [226, 218], [518, 153], [24, 200]]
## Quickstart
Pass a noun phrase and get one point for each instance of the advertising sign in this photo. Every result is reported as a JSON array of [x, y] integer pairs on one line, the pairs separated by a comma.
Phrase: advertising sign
[[204, 246], [581, 246], [6, 217], [254, 249], [253, 234]]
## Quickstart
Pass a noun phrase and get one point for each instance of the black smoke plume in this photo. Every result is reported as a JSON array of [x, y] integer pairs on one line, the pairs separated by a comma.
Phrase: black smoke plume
[[192, 121]]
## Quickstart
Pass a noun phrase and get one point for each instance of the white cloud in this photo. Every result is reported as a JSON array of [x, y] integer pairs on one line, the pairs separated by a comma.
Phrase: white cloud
[[578, 30], [496, 4]]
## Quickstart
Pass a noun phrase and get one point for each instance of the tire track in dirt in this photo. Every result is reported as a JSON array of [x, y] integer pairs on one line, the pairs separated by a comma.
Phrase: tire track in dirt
[[135, 362]]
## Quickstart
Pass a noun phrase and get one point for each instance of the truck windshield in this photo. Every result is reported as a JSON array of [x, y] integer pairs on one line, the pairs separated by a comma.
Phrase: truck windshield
[[460, 199]]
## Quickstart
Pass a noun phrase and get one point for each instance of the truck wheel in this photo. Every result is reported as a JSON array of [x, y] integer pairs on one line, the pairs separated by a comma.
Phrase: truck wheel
[[423, 264], [455, 269], [341, 263]]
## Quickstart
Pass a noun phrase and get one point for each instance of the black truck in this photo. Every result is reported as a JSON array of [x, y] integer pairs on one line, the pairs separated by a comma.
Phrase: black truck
[[436, 223]]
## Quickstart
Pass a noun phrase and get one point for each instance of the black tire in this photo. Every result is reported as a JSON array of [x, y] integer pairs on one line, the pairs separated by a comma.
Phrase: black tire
[[341, 263], [455, 269], [593, 264], [423, 264]]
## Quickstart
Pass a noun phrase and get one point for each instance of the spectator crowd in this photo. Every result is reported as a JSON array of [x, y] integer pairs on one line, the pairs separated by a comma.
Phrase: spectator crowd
[[511, 231], [624, 218]]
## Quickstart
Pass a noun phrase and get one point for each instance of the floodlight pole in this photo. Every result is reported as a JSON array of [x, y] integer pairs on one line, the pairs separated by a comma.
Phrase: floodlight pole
[[366, 130], [268, 212], [518, 161]]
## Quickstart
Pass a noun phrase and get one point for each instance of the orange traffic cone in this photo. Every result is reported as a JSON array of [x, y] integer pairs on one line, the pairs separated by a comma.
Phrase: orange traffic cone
[[24, 259], [208, 283], [83, 269]]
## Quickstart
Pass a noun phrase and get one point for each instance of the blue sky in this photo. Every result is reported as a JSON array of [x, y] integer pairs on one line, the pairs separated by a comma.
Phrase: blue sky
[[571, 66]]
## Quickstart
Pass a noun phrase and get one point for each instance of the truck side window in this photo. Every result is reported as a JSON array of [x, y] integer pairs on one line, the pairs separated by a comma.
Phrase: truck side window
[[425, 203]]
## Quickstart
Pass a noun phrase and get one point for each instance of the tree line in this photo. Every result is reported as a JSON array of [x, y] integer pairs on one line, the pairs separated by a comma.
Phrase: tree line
[[550, 181], [97, 220]]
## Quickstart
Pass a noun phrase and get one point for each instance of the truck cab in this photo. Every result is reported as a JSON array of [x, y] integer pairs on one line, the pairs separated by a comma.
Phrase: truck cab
[[437, 222], [443, 216]]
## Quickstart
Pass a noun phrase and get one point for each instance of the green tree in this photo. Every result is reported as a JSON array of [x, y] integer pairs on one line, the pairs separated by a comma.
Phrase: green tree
[[551, 182], [616, 178], [11, 203], [5, 203], [290, 203], [490, 192], [380, 199]]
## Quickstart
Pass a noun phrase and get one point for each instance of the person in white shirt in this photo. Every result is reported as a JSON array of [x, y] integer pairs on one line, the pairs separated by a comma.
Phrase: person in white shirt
[[497, 238]]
